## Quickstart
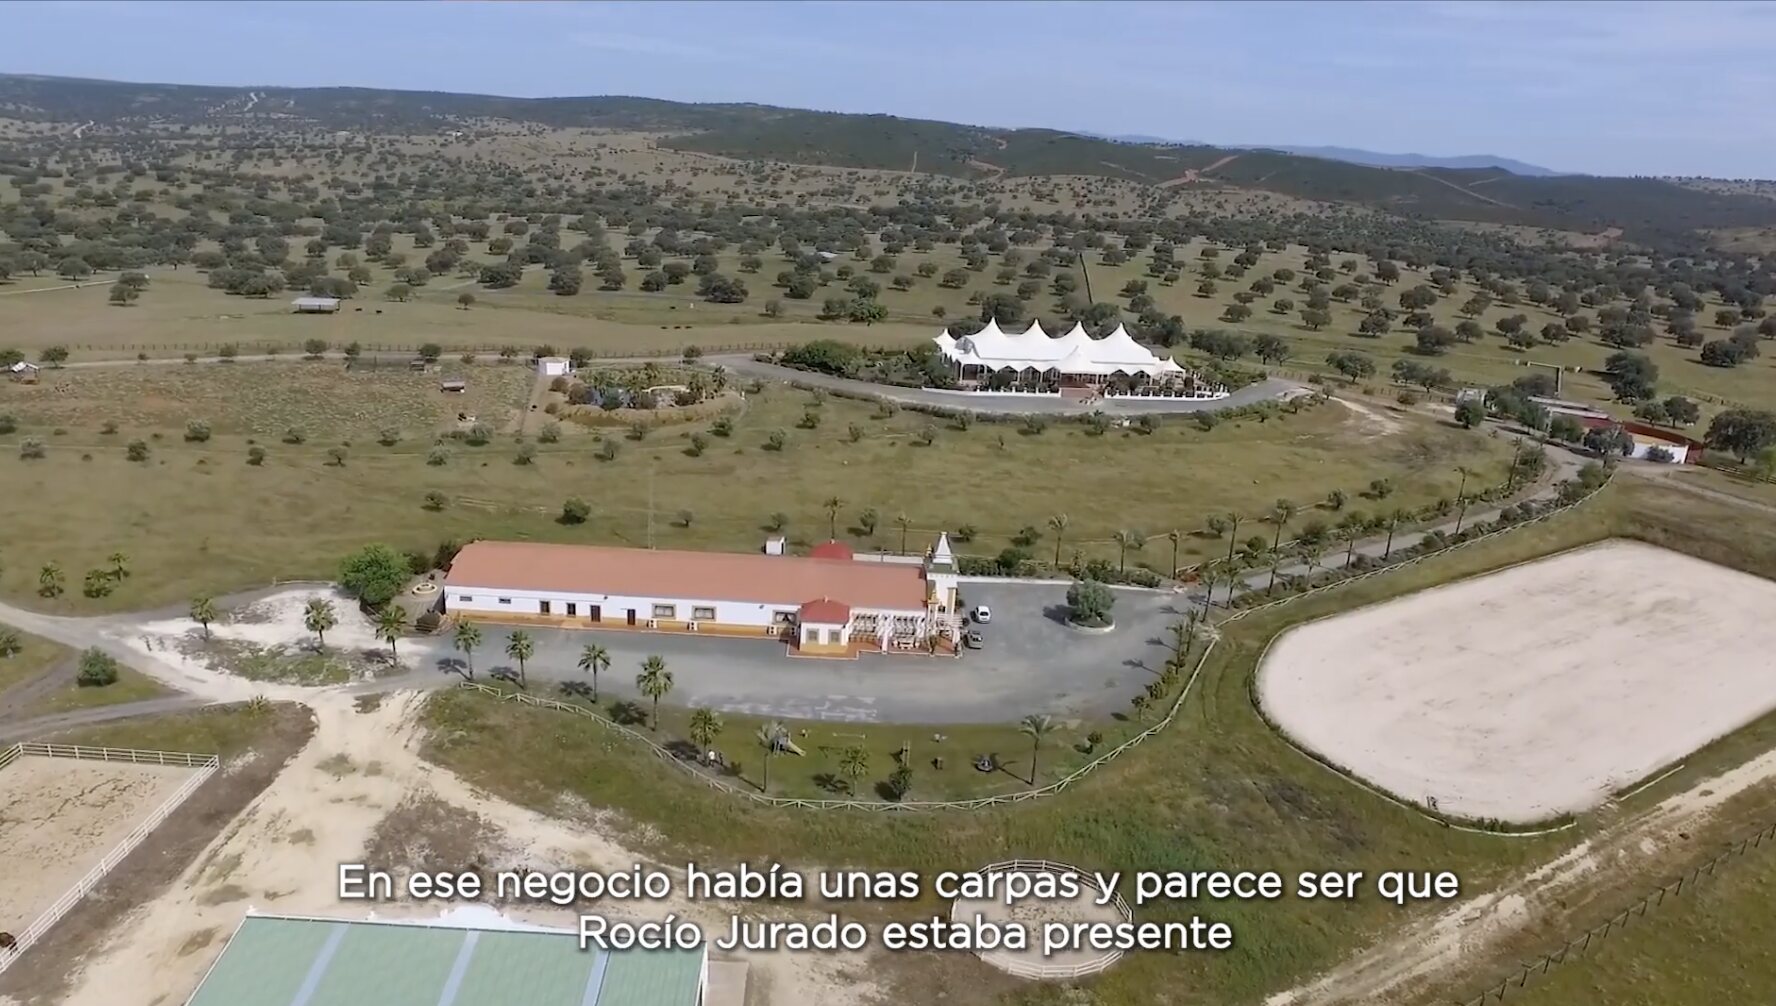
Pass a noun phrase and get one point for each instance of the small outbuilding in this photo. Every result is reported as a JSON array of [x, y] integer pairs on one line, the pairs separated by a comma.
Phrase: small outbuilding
[[25, 373], [455, 387], [315, 305], [553, 366], [823, 626]]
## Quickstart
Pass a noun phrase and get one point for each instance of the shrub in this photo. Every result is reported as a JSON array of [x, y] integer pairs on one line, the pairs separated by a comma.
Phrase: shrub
[[1089, 603], [435, 500], [97, 669], [575, 510], [608, 450], [197, 431], [136, 451], [8, 423], [550, 433], [31, 448], [374, 574], [255, 456], [336, 456], [437, 456], [526, 454]]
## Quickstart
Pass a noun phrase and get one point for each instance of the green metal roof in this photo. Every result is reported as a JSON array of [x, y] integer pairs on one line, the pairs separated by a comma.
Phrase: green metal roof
[[275, 961]]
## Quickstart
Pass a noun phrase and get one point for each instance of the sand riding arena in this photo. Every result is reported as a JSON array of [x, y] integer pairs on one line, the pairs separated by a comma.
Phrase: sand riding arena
[[68, 815], [1535, 691]]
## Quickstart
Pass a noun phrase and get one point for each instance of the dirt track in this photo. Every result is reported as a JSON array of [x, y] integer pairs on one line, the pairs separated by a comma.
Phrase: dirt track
[[1533, 691]]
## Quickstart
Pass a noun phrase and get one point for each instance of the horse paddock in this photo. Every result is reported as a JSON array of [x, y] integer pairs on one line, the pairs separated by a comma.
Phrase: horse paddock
[[61, 816], [1534, 691]]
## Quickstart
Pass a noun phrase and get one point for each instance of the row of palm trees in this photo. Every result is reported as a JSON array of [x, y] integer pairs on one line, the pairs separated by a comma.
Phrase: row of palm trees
[[51, 581], [654, 680]]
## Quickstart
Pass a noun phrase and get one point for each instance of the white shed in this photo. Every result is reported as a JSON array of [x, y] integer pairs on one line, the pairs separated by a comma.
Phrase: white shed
[[315, 305], [553, 366]]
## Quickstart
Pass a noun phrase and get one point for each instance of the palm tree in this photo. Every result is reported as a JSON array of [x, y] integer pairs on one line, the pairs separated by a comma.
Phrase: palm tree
[[594, 658], [1126, 540], [1036, 726], [1280, 515], [318, 617], [705, 727], [905, 524], [468, 636], [49, 580], [1461, 493], [1352, 527], [770, 737], [119, 566], [1174, 537], [1210, 572], [391, 621], [654, 681], [520, 647], [1141, 703], [1058, 523], [833, 505], [854, 764], [1313, 554], [1233, 533], [203, 612], [1394, 520]]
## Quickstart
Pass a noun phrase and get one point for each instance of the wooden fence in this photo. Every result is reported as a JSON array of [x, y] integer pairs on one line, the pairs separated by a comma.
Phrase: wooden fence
[[1027, 969], [1584, 942]]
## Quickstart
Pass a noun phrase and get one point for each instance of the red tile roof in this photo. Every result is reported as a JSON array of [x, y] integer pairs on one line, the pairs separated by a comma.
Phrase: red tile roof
[[831, 550], [825, 611], [668, 574]]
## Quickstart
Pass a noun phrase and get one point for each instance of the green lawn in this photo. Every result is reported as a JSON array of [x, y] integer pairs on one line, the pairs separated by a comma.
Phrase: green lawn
[[297, 514], [1711, 945], [34, 657], [130, 686]]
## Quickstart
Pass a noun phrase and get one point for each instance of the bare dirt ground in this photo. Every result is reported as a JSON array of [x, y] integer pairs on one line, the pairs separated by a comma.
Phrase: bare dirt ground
[[1534, 691], [60, 816], [359, 790], [1419, 963], [44, 974]]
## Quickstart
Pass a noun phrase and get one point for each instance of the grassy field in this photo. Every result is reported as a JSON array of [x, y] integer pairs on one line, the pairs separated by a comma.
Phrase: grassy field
[[297, 513], [818, 773], [1219, 790], [130, 686], [1709, 946], [34, 657]]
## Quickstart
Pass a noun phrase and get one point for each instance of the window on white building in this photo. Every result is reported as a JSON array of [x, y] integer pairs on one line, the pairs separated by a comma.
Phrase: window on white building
[[464, 598], [505, 600], [703, 614], [665, 611]]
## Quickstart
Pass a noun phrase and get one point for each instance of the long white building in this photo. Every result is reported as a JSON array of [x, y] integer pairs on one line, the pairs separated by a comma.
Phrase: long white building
[[827, 603], [1034, 359]]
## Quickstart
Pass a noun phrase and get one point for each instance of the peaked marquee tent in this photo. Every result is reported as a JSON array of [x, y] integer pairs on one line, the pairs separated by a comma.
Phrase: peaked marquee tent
[[1073, 358]]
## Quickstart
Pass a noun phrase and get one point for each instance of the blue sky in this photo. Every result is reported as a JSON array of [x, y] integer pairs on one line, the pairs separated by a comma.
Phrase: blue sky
[[1610, 88]]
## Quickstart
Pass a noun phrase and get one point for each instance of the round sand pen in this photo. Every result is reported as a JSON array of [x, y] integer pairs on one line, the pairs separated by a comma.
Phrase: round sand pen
[[1032, 913]]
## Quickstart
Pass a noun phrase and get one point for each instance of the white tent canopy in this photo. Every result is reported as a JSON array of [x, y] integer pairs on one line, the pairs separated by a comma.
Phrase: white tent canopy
[[1075, 353]]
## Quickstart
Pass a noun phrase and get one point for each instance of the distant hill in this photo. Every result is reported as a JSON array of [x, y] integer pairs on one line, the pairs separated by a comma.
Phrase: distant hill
[[1380, 160], [1525, 195]]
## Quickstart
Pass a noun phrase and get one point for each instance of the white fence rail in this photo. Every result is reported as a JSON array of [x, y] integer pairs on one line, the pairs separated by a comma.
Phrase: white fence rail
[[1048, 972], [205, 765]]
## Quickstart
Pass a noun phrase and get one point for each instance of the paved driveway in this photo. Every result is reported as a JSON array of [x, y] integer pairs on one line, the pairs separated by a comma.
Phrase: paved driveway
[[1032, 663], [1269, 389]]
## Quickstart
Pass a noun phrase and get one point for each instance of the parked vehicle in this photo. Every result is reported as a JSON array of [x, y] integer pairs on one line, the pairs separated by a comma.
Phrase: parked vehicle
[[973, 640], [983, 614]]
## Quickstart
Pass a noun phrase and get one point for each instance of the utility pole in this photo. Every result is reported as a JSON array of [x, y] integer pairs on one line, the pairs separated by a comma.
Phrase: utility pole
[[1461, 495]]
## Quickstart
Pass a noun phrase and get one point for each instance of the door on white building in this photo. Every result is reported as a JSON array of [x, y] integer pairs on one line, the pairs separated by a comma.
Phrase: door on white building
[[543, 607], [573, 609], [631, 617], [594, 613]]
